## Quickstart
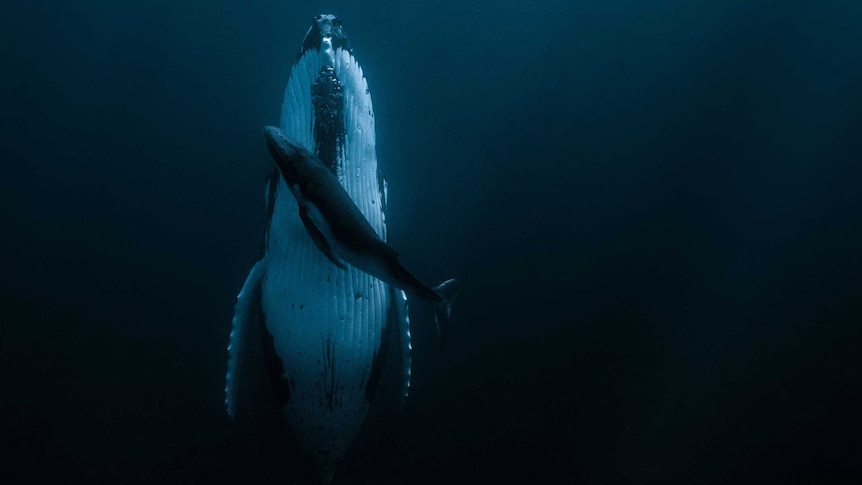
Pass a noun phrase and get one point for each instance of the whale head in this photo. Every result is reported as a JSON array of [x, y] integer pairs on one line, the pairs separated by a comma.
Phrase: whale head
[[325, 32]]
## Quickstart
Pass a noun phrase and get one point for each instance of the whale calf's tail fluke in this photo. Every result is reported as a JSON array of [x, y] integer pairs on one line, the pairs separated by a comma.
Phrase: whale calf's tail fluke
[[446, 293]]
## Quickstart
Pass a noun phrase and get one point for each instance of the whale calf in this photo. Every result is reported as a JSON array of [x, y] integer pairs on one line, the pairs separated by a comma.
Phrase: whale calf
[[340, 231]]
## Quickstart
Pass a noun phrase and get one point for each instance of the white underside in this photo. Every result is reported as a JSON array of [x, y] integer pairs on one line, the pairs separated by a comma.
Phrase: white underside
[[327, 323]]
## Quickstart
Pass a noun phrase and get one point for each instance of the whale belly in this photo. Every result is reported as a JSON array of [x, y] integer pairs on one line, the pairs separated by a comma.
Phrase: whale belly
[[326, 323], [327, 326]]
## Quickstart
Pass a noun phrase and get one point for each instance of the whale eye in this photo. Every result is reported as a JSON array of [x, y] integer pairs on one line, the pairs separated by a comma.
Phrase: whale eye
[[337, 22], [317, 17]]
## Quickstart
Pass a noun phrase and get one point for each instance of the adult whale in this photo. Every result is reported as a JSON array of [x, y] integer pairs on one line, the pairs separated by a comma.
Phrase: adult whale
[[320, 330]]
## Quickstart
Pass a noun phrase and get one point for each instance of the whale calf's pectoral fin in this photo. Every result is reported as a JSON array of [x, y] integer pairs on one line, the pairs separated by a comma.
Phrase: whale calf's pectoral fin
[[318, 238], [246, 314]]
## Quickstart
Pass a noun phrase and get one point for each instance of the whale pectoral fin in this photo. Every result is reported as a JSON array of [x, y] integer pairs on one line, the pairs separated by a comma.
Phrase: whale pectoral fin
[[389, 379], [246, 313], [402, 331], [318, 238]]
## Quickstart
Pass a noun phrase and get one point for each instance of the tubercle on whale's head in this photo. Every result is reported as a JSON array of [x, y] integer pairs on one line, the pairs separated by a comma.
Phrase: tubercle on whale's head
[[326, 29]]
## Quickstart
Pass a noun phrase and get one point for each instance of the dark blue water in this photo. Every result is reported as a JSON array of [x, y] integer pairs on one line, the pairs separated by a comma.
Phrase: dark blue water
[[654, 207]]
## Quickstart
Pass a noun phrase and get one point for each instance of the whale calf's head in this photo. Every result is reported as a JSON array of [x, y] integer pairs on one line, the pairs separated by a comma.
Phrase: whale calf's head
[[295, 162], [285, 154], [326, 31]]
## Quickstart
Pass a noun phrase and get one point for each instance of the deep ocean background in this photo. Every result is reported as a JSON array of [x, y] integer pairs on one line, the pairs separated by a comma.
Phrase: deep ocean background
[[655, 209]]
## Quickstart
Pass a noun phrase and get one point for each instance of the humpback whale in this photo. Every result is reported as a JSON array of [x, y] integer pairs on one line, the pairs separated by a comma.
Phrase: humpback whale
[[320, 331], [339, 229]]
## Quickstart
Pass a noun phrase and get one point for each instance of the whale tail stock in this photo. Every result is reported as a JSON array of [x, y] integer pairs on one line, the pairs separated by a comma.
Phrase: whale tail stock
[[445, 294]]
